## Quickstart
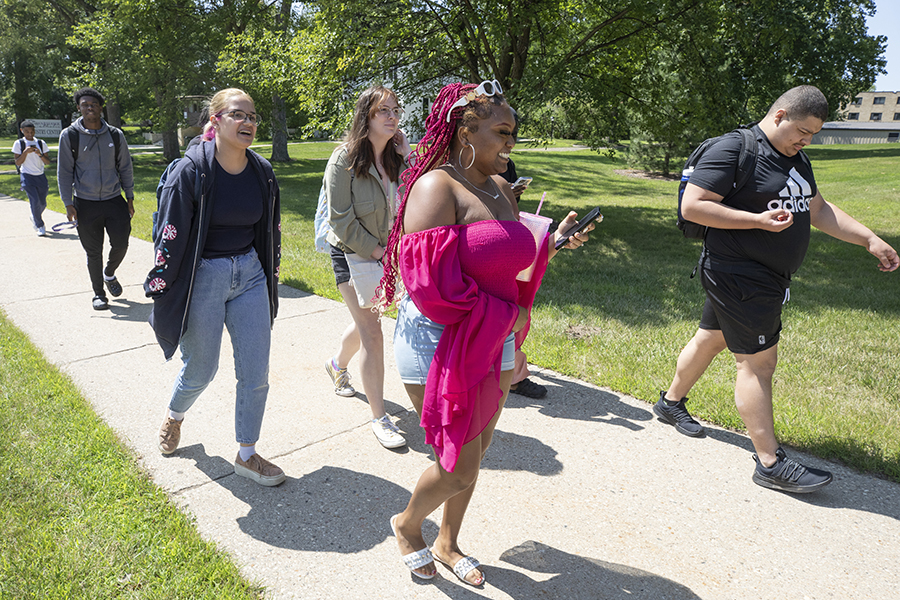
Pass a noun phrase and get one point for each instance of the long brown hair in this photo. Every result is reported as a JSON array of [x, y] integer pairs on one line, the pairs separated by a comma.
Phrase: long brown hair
[[359, 148]]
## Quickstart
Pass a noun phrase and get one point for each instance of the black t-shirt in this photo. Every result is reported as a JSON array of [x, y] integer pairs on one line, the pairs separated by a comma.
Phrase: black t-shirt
[[238, 207], [779, 181]]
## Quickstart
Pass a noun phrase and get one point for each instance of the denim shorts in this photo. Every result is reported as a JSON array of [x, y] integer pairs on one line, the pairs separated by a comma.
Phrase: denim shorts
[[415, 341]]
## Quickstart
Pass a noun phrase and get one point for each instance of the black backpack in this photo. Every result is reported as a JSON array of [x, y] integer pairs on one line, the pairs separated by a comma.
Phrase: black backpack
[[745, 168]]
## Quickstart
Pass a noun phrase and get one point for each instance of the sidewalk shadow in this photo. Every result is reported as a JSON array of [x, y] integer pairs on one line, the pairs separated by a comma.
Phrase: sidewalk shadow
[[575, 400], [62, 235], [577, 578], [508, 451], [129, 310], [857, 496], [329, 510], [514, 452]]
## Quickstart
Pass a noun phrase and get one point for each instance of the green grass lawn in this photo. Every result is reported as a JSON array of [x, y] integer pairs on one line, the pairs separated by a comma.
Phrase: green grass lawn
[[78, 518]]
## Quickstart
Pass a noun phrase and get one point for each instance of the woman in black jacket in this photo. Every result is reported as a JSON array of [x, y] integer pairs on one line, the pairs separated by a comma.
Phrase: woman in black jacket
[[218, 247]]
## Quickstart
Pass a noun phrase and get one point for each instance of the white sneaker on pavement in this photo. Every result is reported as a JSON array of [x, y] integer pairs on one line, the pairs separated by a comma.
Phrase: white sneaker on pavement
[[387, 433]]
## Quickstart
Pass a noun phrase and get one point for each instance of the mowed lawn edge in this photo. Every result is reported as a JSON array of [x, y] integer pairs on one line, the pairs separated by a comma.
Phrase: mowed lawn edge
[[80, 519]]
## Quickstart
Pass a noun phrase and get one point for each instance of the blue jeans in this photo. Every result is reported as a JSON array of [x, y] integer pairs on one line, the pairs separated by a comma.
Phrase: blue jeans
[[36, 187], [231, 292]]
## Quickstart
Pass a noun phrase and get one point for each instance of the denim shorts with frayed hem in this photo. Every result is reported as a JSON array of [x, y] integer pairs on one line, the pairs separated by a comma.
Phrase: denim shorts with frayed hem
[[415, 341]]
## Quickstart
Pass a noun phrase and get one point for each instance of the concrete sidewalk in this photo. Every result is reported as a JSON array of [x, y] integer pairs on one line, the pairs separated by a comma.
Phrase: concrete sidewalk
[[584, 494]]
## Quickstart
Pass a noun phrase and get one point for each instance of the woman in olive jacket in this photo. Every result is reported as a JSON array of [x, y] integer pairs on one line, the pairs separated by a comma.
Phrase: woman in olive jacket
[[360, 183]]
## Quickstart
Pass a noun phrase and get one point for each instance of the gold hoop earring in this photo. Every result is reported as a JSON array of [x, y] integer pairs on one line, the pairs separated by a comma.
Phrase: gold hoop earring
[[461, 150]]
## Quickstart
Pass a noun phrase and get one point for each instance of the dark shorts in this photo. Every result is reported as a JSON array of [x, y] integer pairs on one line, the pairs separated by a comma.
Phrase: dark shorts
[[745, 306], [339, 265]]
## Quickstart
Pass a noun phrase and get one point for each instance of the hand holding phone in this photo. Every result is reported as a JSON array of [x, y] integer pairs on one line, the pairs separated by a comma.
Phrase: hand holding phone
[[593, 214]]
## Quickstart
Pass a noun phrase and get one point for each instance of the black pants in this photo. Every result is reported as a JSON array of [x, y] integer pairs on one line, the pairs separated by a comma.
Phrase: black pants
[[93, 217]]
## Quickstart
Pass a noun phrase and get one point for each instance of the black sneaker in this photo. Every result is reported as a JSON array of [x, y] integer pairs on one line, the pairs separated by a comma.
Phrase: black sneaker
[[100, 303], [529, 389], [678, 416], [788, 475], [114, 287]]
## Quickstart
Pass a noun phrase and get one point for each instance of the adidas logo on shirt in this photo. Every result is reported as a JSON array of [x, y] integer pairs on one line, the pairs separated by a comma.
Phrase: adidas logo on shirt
[[795, 195]]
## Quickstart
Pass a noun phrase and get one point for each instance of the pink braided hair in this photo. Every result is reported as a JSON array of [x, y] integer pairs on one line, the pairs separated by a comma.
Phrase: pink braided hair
[[431, 152]]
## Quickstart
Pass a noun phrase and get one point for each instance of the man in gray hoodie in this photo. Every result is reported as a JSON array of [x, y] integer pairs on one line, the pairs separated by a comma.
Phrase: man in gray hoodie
[[93, 170]]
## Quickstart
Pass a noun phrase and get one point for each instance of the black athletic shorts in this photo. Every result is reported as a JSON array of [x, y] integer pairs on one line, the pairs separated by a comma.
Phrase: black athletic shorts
[[745, 306], [339, 265]]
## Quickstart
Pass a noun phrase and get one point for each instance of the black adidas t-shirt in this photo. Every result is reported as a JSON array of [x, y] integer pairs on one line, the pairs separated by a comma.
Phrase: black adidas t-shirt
[[778, 182]]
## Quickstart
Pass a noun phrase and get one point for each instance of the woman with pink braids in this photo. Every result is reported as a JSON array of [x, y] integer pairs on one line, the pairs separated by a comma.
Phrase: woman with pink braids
[[458, 246]]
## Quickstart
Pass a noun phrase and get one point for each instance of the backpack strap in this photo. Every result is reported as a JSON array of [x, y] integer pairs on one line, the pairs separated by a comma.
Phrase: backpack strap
[[21, 143], [74, 142], [746, 164], [117, 143]]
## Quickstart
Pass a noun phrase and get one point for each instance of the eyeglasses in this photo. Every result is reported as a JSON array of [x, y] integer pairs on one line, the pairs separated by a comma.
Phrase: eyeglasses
[[387, 112], [485, 88], [240, 116]]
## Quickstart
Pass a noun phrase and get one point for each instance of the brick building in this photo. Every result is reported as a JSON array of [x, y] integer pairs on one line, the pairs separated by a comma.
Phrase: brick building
[[872, 107]]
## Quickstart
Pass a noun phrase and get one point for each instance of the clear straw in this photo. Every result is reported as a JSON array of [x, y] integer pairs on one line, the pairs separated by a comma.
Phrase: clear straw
[[540, 204]]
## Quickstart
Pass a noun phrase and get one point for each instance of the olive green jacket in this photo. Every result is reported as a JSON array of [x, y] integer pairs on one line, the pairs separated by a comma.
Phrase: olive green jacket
[[359, 212]]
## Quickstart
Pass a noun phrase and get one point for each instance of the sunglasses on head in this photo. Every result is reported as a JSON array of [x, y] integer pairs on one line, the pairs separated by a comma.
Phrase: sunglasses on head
[[485, 88]]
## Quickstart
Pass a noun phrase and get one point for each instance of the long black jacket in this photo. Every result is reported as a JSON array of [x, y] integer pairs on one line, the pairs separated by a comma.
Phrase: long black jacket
[[184, 217]]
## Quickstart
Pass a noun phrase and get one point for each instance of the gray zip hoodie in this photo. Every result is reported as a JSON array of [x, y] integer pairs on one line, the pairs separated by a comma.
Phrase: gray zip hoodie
[[95, 175]]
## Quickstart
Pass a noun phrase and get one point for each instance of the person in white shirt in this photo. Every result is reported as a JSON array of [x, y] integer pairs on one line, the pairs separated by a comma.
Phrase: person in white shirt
[[31, 156]]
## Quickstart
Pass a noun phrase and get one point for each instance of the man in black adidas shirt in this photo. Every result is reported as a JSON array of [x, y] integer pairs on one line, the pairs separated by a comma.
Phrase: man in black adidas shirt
[[756, 240]]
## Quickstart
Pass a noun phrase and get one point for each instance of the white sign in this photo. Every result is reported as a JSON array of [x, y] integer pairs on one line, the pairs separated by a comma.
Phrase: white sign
[[46, 128]]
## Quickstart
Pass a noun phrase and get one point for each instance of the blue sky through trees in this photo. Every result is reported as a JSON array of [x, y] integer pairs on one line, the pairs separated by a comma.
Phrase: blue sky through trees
[[886, 22]]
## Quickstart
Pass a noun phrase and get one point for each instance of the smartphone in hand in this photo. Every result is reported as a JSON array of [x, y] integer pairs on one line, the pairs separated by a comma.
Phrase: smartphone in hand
[[593, 215]]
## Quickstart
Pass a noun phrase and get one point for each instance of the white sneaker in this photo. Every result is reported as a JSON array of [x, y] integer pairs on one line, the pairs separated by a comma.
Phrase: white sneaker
[[387, 433], [41, 231]]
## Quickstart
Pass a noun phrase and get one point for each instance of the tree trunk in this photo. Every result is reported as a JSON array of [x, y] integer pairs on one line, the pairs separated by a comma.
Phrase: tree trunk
[[279, 130], [21, 103], [279, 114], [168, 115], [114, 113], [170, 144]]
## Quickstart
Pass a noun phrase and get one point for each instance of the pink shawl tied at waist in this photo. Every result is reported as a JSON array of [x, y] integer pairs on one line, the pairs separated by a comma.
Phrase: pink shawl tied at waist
[[462, 392]]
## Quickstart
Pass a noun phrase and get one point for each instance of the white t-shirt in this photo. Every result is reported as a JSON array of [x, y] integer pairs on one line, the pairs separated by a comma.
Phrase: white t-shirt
[[33, 164]]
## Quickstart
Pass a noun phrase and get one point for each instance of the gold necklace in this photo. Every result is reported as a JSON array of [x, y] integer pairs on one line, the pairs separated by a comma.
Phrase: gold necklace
[[491, 179]]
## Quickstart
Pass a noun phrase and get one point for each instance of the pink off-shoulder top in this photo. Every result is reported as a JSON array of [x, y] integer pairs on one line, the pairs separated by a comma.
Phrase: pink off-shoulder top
[[464, 277]]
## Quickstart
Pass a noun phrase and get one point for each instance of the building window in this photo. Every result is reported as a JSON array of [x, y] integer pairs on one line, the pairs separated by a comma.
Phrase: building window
[[875, 117], [893, 137], [878, 100], [857, 101], [897, 116], [853, 116]]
